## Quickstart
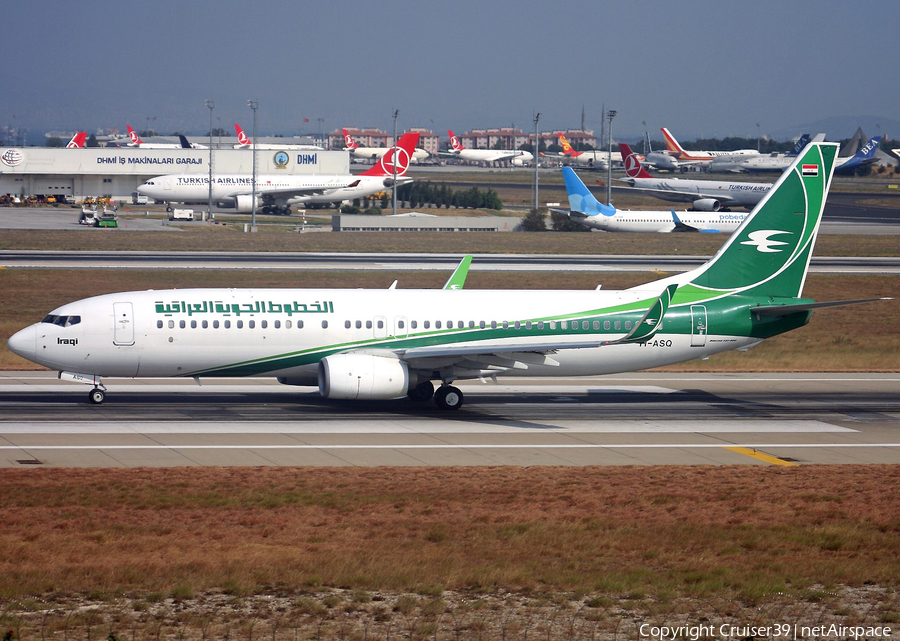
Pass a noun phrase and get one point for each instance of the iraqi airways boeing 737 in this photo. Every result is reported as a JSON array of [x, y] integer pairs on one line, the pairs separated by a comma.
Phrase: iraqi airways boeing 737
[[704, 195], [278, 192], [382, 344], [587, 210]]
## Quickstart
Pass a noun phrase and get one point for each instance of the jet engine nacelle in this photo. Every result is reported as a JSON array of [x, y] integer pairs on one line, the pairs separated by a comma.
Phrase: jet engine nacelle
[[707, 204], [363, 376], [244, 203]]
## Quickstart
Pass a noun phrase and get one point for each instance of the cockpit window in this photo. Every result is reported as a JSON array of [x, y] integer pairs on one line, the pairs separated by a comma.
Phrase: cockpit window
[[62, 321]]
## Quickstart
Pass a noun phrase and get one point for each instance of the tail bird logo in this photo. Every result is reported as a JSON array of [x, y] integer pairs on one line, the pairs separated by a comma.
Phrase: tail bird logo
[[242, 138], [632, 166], [396, 157], [761, 239], [454, 142]]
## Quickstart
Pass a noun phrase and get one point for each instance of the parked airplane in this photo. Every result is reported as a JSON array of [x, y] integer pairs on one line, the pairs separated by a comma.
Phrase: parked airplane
[[244, 142], [864, 156], [760, 163], [77, 141], [663, 160], [586, 209], [382, 344], [183, 144], [703, 157], [705, 195], [512, 156], [592, 159], [276, 193], [376, 152]]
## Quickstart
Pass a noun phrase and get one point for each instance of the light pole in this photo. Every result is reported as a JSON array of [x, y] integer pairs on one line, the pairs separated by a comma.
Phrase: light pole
[[394, 163], [212, 105], [254, 105], [610, 115], [758, 135], [536, 149]]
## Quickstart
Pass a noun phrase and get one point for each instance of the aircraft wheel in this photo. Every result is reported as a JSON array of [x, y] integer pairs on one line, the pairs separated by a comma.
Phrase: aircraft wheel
[[97, 396], [448, 397], [422, 392]]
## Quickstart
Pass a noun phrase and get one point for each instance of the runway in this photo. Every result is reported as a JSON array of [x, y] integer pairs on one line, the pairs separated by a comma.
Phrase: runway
[[633, 419], [402, 262]]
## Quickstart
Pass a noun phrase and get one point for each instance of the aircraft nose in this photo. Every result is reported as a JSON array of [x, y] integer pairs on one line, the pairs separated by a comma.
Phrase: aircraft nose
[[24, 343]]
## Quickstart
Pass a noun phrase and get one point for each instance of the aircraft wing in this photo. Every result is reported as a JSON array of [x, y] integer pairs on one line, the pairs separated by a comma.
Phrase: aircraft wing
[[285, 192], [499, 356], [682, 226]]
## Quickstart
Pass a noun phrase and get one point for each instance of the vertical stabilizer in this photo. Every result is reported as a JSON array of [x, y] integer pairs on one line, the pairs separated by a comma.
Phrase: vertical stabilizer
[[633, 166], [402, 151], [769, 253], [581, 199]]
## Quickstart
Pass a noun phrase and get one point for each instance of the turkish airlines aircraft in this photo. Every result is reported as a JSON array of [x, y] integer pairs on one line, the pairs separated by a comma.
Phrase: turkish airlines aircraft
[[587, 210], [276, 192], [373, 153], [383, 344], [184, 144], [77, 141], [513, 156], [704, 195], [244, 142]]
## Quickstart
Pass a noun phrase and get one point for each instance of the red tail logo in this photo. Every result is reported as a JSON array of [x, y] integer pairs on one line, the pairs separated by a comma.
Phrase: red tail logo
[[633, 167], [399, 155], [241, 136], [348, 140], [134, 137], [454, 141], [77, 141]]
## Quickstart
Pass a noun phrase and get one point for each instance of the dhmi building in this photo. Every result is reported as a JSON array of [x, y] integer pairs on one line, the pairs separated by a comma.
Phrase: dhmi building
[[118, 171]]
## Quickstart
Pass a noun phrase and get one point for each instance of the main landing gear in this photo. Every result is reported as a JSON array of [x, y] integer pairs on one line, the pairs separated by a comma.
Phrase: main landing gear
[[446, 397], [97, 396]]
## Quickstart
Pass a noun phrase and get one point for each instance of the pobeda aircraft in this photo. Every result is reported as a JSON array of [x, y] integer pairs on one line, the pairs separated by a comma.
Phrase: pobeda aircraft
[[381, 344]]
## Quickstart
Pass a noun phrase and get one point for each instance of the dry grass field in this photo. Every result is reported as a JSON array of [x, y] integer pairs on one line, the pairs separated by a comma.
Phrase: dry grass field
[[443, 553], [201, 237]]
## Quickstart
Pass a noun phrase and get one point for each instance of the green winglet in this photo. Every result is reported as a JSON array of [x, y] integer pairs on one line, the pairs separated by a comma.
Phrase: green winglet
[[651, 321], [458, 277]]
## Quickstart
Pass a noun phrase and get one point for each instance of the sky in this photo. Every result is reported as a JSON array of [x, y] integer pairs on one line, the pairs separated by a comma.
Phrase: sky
[[711, 68]]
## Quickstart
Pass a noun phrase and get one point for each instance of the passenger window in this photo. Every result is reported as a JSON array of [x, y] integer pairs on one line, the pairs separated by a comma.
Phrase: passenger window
[[564, 324], [413, 324], [228, 324], [585, 324], [215, 324], [505, 324], [287, 324], [251, 324], [627, 324], [346, 324], [171, 324], [358, 324], [193, 324], [278, 324], [552, 324], [426, 324], [381, 324], [205, 324], [240, 324], [528, 325], [324, 324], [618, 325], [596, 324], [605, 324], [471, 324], [401, 324], [300, 324], [518, 325], [540, 324], [159, 324], [264, 324], [182, 324], [493, 324]]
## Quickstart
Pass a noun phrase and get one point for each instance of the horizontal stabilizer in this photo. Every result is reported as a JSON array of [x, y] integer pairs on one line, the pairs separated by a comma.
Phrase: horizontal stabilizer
[[784, 310]]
